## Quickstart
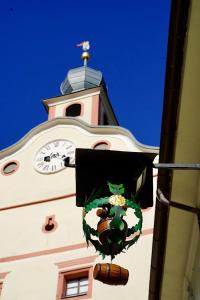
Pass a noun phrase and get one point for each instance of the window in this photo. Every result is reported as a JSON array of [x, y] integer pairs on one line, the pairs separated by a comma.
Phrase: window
[[75, 284], [101, 146], [76, 287], [2, 278], [1, 286], [141, 180], [73, 110], [10, 168], [105, 119]]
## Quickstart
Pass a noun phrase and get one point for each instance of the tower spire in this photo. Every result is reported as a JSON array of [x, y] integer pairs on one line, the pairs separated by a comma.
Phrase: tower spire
[[85, 55], [83, 77]]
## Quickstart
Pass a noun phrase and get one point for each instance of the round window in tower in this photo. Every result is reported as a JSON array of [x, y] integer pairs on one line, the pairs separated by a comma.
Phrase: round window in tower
[[10, 168]]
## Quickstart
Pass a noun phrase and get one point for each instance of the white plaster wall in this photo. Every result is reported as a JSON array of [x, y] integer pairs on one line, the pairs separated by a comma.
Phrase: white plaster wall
[[27, 185], [87, 108], [37, 277], [21, 228]]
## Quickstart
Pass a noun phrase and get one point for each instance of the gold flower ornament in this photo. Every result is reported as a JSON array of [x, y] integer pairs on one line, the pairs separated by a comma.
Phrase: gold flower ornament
[[117, 200]]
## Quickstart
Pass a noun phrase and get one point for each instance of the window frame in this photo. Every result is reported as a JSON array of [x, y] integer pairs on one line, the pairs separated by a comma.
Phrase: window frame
[[101, 142], [74, 274], [1, 287], [2, 278], [3, 172]]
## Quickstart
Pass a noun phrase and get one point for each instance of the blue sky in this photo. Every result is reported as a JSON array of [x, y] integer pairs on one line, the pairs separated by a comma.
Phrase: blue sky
[[38, 46]]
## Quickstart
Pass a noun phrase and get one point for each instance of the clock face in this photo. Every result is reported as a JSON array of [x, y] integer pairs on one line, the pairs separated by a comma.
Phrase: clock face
[[51, 157]]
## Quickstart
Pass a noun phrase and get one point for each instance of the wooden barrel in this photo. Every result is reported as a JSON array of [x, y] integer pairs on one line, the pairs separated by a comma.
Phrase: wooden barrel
[[102, 213], [111, 274], [114, 235]]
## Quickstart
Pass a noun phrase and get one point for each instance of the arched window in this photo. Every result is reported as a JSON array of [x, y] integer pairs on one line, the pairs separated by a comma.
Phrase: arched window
[[74, 110], [101, 146]]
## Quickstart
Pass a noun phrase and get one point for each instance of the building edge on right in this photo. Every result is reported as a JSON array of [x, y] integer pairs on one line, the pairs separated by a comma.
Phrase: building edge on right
[[175, 265]]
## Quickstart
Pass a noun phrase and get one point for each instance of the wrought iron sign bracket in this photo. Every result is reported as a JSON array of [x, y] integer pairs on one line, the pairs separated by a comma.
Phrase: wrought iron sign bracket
[[162, 199], [67, 163], [174, 166], [170, 166]]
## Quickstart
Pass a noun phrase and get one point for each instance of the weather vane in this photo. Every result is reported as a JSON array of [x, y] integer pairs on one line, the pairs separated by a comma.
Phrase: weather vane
[[85, 55]]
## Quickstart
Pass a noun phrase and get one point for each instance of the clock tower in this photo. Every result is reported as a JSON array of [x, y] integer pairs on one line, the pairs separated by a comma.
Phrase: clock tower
[[43, 253]]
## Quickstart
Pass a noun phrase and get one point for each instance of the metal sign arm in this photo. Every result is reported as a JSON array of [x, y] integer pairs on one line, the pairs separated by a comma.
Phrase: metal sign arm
[[162, 199], [174, 166]]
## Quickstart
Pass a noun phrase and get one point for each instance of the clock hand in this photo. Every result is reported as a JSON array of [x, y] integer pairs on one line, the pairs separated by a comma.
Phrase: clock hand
[[55, 155]]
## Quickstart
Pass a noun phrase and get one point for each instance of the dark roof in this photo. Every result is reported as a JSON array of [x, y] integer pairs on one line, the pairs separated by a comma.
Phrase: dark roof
[[81, 78]]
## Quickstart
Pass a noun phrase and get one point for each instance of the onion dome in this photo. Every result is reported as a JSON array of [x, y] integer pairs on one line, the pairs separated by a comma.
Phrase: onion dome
[[82, 78]]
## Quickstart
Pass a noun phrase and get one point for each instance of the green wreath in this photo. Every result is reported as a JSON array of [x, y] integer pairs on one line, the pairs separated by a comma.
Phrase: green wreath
[[116, 206]]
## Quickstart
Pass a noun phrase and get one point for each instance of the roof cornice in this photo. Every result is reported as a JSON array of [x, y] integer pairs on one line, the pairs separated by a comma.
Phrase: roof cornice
[[115, 130]]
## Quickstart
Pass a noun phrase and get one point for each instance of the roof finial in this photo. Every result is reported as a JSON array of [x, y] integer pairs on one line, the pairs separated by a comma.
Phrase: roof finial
[[85, 55]]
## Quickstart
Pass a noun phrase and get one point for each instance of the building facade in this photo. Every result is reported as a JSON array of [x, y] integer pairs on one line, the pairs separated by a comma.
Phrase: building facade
[[43, 253], [175, 272]]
